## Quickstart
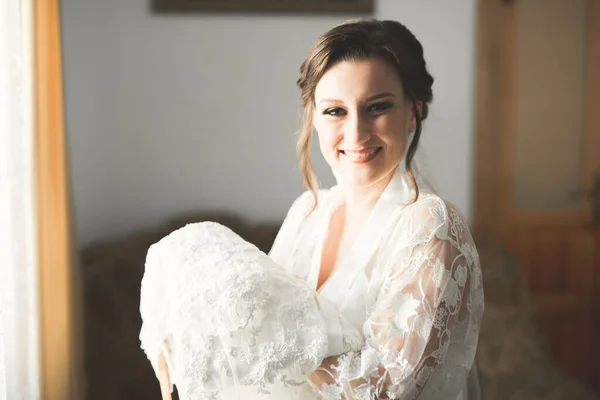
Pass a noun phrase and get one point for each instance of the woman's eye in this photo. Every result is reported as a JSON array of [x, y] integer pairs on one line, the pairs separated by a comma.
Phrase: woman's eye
[[334, 112], [378, 107]]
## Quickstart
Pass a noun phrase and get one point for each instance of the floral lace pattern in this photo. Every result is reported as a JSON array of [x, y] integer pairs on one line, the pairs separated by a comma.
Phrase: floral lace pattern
[[226, 315], [398, 318], [424, 306]]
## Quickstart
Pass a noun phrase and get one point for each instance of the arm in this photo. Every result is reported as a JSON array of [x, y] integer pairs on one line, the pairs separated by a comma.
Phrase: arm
[[163, 377], [421, 335]]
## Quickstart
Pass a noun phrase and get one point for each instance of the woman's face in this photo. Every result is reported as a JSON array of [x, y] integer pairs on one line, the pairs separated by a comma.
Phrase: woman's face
[[362, 119]]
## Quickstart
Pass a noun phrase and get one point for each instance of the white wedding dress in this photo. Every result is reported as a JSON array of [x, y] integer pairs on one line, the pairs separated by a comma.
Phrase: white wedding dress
[[398, 319]]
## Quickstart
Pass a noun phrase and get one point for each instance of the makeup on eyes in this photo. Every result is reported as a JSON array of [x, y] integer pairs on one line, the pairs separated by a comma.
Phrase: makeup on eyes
[[375, 107]]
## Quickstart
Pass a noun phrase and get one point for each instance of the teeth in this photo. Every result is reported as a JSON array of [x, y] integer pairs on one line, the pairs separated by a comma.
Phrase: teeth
[[355, 154]]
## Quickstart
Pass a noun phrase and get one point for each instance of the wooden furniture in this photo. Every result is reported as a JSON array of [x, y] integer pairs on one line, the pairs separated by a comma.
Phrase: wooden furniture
[[514, 359]]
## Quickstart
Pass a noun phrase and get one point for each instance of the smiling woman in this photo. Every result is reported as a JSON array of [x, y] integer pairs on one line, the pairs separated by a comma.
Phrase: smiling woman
[[380, 274], [360, 108]]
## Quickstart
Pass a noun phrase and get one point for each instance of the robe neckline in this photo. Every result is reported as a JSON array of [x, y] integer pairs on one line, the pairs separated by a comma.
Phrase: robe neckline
[[396, 194]]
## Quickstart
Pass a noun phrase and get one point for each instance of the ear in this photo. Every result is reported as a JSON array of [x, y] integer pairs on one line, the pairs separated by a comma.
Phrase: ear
[[413, 115]]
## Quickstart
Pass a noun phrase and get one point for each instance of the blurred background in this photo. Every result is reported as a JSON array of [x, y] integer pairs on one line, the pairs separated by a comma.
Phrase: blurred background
[[172, 112], [154, 115]]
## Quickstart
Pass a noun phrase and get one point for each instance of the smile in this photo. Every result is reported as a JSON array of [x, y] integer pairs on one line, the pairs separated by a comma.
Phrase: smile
[[362, 156]]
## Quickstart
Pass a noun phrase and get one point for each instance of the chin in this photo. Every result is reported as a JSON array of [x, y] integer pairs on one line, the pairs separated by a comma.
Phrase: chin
[[363, 180]]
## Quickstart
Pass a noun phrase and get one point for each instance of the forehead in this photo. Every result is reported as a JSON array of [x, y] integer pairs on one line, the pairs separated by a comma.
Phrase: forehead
[[354, 80]]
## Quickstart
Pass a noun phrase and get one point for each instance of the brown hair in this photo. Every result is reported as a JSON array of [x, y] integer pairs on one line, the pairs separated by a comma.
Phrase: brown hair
[[360, 40]]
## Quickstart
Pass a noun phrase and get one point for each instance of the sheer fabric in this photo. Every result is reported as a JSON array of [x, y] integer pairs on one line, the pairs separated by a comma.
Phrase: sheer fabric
[[423, 310], [411, 283], [407, 301], [19, 308]]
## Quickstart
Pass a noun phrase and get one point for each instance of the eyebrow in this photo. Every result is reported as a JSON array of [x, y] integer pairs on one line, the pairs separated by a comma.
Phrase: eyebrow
[[375, 97]]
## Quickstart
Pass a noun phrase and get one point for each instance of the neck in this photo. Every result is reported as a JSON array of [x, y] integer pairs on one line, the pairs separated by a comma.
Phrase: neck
[[359, 201]]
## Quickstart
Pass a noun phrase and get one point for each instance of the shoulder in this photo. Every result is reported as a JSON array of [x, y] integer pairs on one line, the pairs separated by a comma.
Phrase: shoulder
[[295, 221], [300, 210], [304, 203], [432, 229], [431, 217]]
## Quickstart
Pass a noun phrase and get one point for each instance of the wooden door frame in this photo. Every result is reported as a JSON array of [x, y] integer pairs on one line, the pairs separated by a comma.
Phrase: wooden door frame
[[495, 77], [487, 176], [493, 191], [592, 152]]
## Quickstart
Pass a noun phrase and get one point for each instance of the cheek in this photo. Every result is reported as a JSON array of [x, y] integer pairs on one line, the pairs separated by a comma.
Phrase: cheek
[[393, 131], [327, 134]]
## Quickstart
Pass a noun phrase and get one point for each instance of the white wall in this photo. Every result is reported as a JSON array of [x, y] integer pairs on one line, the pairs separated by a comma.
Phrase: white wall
[[173, 113]]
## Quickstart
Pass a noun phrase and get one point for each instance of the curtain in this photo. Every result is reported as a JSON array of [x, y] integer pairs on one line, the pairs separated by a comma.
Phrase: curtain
[[19, 328], [38, 330], [59, 376]]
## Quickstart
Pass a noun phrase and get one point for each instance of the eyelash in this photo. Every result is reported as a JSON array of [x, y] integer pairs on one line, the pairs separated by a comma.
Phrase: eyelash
[[377, 107]]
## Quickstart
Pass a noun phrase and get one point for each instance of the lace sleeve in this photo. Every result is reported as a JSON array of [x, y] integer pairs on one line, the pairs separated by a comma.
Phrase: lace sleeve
[[421, 336]]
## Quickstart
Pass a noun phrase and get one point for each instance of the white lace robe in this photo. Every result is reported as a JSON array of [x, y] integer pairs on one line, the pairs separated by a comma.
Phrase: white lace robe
[[410, 285]]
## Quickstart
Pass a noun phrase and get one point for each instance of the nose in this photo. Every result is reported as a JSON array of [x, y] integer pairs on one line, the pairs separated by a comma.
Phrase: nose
[[356, 130]]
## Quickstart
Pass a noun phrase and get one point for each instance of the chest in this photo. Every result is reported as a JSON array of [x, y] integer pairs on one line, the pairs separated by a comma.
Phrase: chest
[[336, 260], [333, 250], [340, 269], [336, 244]]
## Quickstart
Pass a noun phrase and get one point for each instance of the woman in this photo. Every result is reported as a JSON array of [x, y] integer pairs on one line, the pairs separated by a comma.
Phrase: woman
[[383, 256]]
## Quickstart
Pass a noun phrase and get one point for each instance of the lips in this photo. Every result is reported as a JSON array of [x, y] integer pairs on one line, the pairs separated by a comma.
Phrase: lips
[[361, 156]]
